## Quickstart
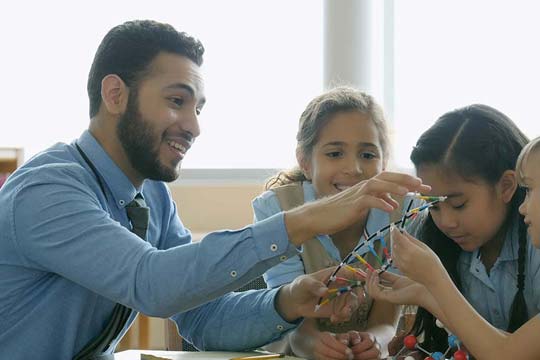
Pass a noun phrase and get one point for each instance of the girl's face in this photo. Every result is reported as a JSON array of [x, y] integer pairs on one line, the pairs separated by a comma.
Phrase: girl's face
[[531, 206], [474, 211], [347, 152]]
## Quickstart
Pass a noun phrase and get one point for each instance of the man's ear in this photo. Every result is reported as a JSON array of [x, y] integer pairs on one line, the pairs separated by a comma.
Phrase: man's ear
[[507, 185], [305, 164], [114, 94]]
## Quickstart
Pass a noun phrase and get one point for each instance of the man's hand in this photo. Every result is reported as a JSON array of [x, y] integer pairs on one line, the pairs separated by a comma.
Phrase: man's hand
[[334, 213], [299, 298]]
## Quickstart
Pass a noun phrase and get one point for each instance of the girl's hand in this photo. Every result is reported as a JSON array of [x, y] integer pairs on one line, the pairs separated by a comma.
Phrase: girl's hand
[[415, 259], [398, 290], [327, 345], [364, 346]]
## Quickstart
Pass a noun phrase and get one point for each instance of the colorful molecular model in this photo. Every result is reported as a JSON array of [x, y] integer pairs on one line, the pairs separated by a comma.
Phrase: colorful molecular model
[[410, 343], [385, 262]]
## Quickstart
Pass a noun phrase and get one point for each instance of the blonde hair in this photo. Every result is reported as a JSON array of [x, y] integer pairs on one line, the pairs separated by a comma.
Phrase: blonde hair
[[318, 113], [531, 147]]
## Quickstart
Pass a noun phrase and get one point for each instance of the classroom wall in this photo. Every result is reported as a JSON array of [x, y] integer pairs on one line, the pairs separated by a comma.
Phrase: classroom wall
[[205, 208]]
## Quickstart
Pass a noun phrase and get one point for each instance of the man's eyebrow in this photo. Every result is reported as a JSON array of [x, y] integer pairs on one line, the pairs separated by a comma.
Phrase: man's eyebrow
[[181, 86]]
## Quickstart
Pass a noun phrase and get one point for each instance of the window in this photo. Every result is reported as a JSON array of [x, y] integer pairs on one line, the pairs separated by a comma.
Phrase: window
[[263, 63], [454, 53]]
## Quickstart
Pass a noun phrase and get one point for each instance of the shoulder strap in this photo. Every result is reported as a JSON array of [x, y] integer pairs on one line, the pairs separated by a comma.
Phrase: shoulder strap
[[313, 255]]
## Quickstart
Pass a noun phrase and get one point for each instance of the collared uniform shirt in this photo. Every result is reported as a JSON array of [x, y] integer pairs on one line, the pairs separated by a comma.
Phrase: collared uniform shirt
[[492, 294], [67, 255], [267, 205]]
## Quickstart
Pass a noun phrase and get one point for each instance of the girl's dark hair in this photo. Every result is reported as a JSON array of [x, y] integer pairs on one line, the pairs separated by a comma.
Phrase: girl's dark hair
[[474, 142], [318, 113]]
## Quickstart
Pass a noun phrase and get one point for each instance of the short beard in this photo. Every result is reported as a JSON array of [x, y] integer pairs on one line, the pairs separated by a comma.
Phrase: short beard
[[137, 139]]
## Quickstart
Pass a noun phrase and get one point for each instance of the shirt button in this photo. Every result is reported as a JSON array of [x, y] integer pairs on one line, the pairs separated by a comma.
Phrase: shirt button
[[273, 247], [121, 202], [234, 273], [283, 258], [280, 327]]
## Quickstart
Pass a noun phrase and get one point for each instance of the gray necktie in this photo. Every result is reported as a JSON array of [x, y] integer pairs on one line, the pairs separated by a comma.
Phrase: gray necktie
[[138, 214]]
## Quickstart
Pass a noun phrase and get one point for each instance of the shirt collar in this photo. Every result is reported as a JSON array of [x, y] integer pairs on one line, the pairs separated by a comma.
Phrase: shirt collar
[[114, 179]]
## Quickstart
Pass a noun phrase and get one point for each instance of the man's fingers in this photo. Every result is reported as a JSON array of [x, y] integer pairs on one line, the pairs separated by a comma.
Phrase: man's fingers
[[413, 183]]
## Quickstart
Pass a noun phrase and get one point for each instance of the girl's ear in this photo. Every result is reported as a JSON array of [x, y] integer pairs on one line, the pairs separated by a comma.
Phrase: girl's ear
[[507, 185], [305, 164]]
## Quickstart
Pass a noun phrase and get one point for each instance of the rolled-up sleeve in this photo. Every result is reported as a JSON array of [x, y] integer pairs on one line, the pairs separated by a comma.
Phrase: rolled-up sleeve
[[62, 227]]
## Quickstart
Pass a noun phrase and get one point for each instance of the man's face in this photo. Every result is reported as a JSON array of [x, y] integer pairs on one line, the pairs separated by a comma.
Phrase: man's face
[[160, 122]]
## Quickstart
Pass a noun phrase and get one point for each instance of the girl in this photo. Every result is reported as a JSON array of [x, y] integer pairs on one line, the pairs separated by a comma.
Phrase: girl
[[477, 233], [342, 140]]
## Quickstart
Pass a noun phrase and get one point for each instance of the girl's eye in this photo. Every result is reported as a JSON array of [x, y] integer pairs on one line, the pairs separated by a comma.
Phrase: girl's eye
[[459, 206], [177, 101], [368, 155], [198, 111], [334, 154]]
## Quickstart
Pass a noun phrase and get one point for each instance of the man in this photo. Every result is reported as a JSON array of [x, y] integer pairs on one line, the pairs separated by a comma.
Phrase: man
[[80, 249]]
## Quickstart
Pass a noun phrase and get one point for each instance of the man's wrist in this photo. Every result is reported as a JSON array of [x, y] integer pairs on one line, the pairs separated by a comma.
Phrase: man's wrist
[[288, 313], [298, 223]]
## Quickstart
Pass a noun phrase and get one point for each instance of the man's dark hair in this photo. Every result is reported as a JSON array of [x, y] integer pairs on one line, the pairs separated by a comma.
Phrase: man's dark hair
[[129, 48]]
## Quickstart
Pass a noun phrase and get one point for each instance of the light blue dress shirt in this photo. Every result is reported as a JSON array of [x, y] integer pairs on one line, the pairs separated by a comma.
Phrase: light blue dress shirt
[[67, 256], [267, 205], [492, 295]]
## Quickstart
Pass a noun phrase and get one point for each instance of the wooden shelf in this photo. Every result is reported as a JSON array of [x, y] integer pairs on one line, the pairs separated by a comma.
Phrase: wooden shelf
[[10, 160]]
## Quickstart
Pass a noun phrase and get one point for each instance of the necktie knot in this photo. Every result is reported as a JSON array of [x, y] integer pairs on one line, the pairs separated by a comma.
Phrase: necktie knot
[[138, 214]]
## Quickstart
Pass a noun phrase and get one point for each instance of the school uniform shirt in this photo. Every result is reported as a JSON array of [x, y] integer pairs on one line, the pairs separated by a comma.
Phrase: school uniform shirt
[[267, 205], [492, 295], [67, 257]]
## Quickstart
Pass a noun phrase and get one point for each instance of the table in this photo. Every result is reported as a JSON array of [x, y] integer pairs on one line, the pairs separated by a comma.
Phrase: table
[[187, 355]]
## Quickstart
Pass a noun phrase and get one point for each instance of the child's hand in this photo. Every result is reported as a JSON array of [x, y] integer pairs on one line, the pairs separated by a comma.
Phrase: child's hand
[[415, 259], [331, 346], [397, 289], [364, 346]]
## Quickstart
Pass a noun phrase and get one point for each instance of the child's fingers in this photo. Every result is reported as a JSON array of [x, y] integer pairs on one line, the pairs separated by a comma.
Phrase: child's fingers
[[389, 277], [328, 347], [344, 305]]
